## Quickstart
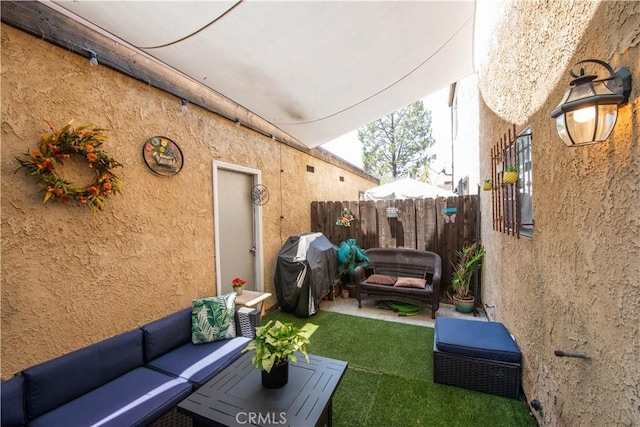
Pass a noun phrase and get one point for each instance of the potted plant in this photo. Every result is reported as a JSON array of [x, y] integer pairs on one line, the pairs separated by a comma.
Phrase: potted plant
[[469, 259], [510, 175], [275, 344], [486, 185], [350, 256], [238, 285]]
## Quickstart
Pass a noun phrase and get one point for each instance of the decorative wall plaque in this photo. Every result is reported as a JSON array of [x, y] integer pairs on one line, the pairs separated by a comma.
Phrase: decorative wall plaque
[[162, 156], [259, 194]]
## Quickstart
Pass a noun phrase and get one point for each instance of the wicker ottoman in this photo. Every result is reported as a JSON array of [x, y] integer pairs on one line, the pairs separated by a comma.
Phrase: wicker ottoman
[[476, 355]]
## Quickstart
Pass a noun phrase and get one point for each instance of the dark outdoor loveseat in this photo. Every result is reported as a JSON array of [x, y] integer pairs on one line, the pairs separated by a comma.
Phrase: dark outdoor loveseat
[[391, 273], [130, 379]]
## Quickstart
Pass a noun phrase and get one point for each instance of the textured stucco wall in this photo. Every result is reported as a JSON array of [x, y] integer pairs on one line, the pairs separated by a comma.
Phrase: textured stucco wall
[[574, 286], [69, 280]]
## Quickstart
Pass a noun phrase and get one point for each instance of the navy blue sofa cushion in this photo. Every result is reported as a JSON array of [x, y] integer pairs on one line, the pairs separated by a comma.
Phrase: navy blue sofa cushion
[[165, 334], [134, 399], [485, 340], [57, 381], [199, 363], [12, 395]]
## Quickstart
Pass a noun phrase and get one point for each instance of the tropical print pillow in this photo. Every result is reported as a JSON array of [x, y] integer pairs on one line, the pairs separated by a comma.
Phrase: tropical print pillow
[[213, 319]]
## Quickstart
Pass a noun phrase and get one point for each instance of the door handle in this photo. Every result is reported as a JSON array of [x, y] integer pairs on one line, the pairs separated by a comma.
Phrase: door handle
[[252, 250]]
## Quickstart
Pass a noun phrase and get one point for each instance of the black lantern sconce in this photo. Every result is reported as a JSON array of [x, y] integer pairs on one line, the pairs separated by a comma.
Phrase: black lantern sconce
[[588, 112]]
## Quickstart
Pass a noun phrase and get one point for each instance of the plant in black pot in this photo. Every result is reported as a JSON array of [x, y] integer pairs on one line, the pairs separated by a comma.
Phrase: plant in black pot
[[275, 344], [350, 256], [469, 260]]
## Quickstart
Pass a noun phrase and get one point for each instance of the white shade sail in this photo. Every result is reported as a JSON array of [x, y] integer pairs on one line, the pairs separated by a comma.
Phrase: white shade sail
[[313, 69], [406, 188]]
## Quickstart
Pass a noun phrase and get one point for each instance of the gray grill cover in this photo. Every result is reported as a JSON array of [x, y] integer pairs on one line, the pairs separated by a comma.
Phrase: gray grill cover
[[307, 266]]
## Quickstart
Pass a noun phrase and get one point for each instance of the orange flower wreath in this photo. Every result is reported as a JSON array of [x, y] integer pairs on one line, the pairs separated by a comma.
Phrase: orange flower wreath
[[62, 144]]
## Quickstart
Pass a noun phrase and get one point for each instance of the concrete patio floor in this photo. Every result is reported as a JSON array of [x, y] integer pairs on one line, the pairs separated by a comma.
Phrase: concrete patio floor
[[350, 306]]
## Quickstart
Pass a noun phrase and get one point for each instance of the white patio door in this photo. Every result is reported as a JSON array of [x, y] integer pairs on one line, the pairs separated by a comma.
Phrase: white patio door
[[237, 227]]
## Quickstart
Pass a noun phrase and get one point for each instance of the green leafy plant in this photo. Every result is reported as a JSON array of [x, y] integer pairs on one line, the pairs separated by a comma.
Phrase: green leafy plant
[[512, 169], [350, 256], [277, 342], [469, 259]]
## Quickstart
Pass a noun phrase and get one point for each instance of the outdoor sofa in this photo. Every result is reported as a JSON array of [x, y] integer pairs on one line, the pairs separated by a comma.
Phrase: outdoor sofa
[[130, 379], [400, 274]]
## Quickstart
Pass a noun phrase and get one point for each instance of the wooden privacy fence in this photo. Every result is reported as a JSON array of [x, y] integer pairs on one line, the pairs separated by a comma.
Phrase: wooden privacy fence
[[442, 225]]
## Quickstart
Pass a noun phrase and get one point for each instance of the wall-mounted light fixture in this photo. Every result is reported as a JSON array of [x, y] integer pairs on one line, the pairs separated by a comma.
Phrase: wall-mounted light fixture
[[589, 109], [93, 59]]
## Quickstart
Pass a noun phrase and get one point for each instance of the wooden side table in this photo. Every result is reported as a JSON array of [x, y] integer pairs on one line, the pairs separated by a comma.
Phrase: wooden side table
[[252, 299]]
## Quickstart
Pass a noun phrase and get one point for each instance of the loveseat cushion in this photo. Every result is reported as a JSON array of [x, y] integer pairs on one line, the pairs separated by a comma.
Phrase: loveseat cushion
[[485, 340], [57, 381], [12, 394], [381, 279], [410, 282], [199, 363], [167, 333], [133, 399]]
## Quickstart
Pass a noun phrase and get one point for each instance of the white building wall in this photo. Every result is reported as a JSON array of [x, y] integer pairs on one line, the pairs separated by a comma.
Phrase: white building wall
[[465, 136]]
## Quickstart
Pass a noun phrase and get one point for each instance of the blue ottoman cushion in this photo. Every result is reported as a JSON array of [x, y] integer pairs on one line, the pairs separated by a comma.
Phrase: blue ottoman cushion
[[485, 340], [134, 399]]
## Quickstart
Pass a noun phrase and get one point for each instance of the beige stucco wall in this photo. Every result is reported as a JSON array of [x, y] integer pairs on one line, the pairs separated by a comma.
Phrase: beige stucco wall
[[574, 286], [69, 280]]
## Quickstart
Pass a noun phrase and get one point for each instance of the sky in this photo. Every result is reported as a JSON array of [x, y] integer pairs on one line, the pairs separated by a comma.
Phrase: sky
[[349, 147]]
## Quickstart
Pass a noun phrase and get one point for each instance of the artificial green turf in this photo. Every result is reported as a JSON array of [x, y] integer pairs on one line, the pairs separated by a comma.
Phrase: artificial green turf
[[389, 380]]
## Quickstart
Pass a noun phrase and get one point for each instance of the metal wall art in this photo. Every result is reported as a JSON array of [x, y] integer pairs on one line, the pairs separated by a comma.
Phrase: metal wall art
[[259, 194], [162, 156]]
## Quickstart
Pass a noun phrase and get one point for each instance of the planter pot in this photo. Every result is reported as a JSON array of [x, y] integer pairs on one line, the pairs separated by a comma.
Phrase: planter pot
[[238, 291], [486, 186], [278, 376], [463, 305], [510, 177], [352, 291], [345, 293]]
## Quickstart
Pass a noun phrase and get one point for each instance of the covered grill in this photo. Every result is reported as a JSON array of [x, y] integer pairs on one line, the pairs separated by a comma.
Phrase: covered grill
[[305, 269]]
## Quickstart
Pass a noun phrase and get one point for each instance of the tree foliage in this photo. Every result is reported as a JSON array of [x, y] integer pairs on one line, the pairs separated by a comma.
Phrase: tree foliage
[[396, 145]]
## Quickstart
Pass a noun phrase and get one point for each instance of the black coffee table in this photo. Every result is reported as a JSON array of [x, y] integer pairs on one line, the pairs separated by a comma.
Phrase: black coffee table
[[235, 397]]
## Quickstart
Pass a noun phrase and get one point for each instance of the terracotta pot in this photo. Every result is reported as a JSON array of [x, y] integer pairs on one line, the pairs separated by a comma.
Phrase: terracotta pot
[[345, 293], [278, 377]]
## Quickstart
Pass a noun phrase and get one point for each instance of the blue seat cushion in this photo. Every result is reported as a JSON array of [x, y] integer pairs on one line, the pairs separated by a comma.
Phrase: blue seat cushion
[[485, 340], [13, 411], [163, 335], [199, 363], [60, 380], [134, 399]]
